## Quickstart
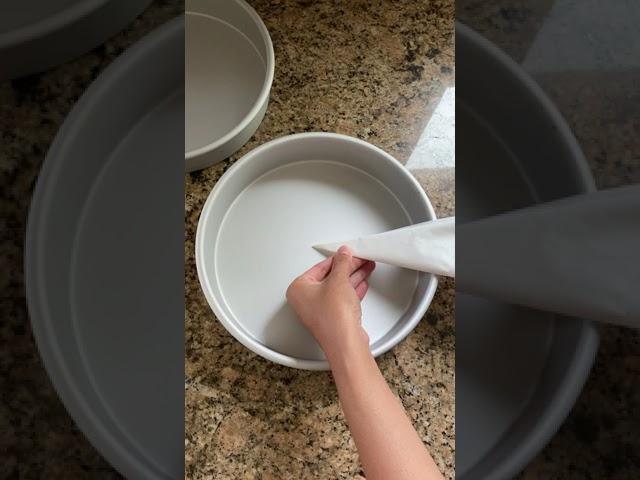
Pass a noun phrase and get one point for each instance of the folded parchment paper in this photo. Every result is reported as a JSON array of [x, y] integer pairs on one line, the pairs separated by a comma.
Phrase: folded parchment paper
[[426, 247]]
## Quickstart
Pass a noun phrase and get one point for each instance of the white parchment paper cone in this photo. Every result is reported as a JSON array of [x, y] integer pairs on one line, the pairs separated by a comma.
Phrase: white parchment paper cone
[[426, 247], [576, 256]]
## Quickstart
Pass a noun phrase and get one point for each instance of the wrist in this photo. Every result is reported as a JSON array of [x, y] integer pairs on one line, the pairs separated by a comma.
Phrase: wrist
[[347, 348]]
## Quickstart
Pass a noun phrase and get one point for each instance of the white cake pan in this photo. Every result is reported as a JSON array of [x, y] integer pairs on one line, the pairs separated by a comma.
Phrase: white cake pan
[[229, 70], [258, 226]]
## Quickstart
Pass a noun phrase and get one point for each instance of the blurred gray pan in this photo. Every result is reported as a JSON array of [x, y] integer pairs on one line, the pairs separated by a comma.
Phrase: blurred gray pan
[[39, 34], [518, 371], [104, 259]]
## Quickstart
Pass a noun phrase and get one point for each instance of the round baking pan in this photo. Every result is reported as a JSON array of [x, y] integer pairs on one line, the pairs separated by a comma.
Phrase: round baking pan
[[36, 35], [103, 255], [518, 371], [257, 228], [229, 70]]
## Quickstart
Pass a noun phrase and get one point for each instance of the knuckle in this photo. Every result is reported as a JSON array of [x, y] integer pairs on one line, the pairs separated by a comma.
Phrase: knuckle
[[290, 291], [293, 287]]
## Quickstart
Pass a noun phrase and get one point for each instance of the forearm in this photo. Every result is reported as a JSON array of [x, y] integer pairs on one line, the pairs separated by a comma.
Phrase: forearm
[[387, 443]]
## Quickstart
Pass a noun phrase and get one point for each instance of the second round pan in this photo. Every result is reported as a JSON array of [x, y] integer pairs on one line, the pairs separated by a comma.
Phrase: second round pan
[[229, 69]]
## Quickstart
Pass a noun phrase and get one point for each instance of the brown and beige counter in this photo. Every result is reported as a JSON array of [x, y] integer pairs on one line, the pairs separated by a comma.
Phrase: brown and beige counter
[[370, 69]]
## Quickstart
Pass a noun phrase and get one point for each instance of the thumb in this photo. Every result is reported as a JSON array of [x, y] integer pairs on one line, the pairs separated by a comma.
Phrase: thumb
[[342, 263]]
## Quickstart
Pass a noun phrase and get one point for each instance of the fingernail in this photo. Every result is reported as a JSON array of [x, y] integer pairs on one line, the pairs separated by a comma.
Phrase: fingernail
[[343, 249]]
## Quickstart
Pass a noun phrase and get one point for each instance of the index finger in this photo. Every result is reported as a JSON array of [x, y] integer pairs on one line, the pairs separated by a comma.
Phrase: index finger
[[319, 270], [356, 263]]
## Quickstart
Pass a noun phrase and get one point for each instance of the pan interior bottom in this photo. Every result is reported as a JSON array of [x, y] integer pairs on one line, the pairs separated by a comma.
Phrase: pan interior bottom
[[266, 240]]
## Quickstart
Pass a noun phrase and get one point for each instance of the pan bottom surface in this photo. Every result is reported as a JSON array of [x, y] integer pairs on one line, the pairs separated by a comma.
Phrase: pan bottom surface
[[266, 238]]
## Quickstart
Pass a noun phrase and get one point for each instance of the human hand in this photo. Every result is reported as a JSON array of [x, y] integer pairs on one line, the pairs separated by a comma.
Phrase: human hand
[[327, 299]]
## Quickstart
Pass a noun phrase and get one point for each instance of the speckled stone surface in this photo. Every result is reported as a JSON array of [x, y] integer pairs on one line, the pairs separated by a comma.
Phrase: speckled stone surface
[[370, 69], [600, 438], [38, 439]]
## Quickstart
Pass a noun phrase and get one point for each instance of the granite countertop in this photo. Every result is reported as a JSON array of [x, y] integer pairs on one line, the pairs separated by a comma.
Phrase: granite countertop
[[374, 70], [38, 439]]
